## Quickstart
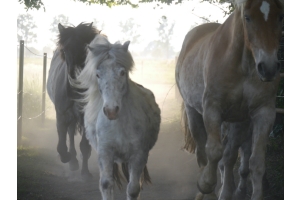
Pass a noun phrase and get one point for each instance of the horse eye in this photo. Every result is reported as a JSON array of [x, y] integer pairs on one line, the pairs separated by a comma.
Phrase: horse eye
[[247, 18], [97, 75], [122, 73]]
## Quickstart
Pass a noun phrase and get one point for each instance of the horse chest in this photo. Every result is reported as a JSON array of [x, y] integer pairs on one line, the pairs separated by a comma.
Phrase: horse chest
[[120, 138]]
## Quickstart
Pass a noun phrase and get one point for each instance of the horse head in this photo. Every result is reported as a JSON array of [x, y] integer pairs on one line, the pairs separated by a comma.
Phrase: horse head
[[113, 64], [263, 23], [72, 42]]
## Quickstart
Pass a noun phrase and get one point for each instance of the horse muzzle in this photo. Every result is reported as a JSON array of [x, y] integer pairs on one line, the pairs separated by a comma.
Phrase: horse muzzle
[[111, 113], [267, 71]]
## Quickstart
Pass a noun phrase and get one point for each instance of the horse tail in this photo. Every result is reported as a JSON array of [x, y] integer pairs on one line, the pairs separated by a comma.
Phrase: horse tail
[[125, 171], [146, 177], [118, 178], [190, 144]]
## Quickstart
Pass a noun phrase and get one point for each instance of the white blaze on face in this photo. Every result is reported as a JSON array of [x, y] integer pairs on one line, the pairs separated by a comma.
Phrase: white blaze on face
[[265, 9]]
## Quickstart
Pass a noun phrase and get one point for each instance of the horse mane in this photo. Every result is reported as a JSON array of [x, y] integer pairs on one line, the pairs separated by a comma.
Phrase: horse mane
[[73, 40], [99, 50]]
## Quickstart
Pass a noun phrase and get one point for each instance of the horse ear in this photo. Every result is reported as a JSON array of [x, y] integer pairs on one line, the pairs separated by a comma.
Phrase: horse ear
[[91, 25], [61, 28], [125, 45]]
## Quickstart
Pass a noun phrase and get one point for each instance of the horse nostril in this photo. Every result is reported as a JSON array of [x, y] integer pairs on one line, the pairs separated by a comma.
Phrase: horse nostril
[[117, 109], [104, 110], [260, 68]]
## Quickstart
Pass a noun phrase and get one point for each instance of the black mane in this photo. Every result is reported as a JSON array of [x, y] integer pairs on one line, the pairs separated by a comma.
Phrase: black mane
[[72, 43]]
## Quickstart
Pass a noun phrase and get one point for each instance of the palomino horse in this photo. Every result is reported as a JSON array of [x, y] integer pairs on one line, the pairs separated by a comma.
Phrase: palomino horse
[[121, 117], [68, 57], [228, 77]]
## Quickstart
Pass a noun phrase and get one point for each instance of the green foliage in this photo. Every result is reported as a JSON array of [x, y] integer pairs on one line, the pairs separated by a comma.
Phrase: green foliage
[[32, 4], [37, 4]]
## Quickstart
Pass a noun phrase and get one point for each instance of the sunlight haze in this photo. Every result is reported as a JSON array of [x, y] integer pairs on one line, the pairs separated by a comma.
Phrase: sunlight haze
[[147, 15]]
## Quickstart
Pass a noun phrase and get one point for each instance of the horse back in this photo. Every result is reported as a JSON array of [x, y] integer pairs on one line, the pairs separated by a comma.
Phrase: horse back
[[195, 36]]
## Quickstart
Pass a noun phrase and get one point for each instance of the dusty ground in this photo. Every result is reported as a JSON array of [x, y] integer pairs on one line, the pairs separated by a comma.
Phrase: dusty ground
[[42, 176], [174, 172]]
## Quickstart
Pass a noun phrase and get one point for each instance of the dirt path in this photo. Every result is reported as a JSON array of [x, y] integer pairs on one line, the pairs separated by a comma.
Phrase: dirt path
[[174, 172], [41, 175]]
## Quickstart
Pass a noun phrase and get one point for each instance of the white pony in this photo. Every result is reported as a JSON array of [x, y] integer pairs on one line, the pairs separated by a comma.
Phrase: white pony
[[121, 118]]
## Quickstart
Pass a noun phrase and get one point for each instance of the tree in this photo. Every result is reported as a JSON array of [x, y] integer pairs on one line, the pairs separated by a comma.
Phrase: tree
[[130, 30], [37, 4], [32, 4], [162, 47], [54, 26], [165, 31], [25, 28]]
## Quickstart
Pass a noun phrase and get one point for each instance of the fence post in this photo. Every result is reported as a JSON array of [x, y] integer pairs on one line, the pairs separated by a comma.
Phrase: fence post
[[20, 93], [44, 88]]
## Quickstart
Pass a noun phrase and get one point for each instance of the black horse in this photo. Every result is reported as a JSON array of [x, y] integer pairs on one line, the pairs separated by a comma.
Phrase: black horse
[[67, 59]]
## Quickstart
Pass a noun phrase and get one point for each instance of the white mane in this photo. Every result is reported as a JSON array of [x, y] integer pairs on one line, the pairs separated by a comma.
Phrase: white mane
[[98, 50]]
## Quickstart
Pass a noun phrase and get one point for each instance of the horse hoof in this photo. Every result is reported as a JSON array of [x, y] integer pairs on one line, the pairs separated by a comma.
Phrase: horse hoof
[[65, 158], [74, 165], [211, 196], [239, 194], [205, 188], [199, 196], [86, 176]]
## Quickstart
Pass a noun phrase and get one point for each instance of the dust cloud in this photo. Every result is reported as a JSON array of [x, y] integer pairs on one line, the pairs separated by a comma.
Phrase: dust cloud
[[173, 171]]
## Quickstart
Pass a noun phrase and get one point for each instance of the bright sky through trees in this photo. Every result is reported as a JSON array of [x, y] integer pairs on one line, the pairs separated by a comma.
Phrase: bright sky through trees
[[184, 15]]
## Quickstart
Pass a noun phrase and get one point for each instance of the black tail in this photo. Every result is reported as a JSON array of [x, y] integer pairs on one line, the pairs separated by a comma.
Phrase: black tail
[[119, 178]]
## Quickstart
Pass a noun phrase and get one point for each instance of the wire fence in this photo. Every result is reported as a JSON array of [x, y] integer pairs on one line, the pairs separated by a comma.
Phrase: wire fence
[[31, 94], [20, 92]]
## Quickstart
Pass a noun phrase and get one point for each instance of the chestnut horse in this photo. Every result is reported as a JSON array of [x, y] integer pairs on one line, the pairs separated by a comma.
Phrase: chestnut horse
[[228, 75]]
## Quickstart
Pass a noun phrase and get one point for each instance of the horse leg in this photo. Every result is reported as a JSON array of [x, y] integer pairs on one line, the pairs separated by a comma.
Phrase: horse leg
[[197, 129], [73, 164], [262, 126], [221, 162], [62, 148], [136, 168], [221, 166], [245, 153], [234, 134], [213, 149], [106, 182], [86, 149]]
